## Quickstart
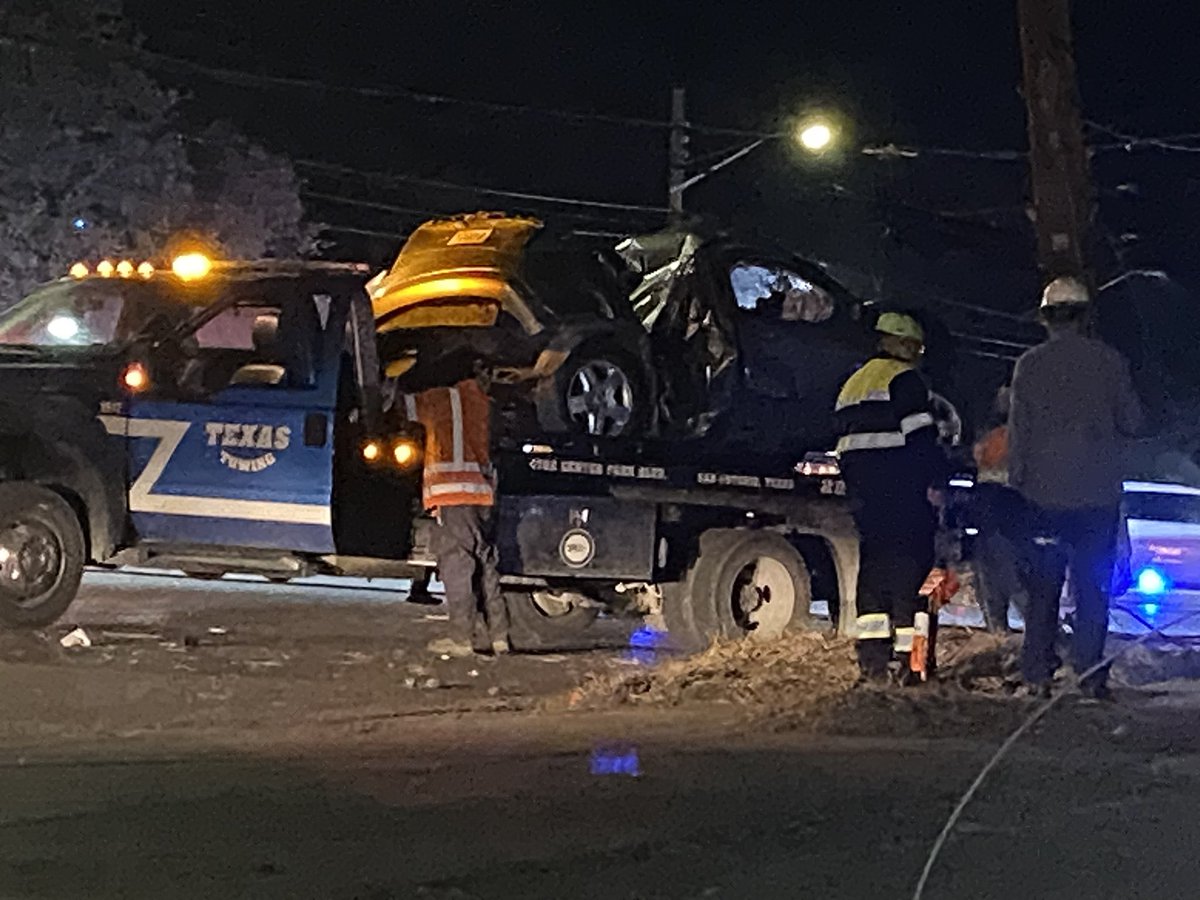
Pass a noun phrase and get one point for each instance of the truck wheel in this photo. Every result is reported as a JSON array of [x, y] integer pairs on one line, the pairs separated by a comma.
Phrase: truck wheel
[[547, 620], [743, 584], [41, 555], [600, 391]]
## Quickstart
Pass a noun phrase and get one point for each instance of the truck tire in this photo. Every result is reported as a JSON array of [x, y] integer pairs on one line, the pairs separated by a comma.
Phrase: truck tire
[[546, 623], [600, 391], [41, 555], [743, 584]]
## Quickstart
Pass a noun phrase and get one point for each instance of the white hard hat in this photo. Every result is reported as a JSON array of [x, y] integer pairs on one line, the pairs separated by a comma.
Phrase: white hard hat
[[1065, 291]]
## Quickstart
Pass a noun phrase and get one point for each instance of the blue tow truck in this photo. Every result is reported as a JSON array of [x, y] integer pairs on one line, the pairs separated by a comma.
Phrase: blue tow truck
[[227, 417]]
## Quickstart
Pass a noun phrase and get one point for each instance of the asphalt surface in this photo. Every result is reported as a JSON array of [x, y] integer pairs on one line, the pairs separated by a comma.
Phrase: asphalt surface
[[224, 740]]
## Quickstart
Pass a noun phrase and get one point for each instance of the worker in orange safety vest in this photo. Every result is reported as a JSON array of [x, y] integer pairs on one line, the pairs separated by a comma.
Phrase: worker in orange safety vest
[[458, 488]]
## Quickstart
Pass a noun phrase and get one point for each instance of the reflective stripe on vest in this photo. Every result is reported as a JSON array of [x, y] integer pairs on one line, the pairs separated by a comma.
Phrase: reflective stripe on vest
[[916, 421], [865, 402], [456, 451], [875, 440]]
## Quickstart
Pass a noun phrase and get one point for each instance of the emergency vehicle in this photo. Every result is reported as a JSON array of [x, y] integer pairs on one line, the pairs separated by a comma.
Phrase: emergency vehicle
[[227, 417]]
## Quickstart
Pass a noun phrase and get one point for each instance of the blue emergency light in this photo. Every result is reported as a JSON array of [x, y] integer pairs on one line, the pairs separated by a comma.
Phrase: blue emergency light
[[1151, 582]]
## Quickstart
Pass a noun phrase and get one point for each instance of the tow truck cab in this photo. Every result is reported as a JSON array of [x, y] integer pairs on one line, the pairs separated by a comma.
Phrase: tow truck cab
[[208, 423], [231, 420]]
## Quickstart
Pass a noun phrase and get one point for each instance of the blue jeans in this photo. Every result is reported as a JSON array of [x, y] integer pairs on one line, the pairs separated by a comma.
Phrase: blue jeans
[[1085, 541]]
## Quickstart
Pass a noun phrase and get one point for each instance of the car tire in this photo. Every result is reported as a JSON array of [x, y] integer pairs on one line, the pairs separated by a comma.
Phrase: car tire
[[536, 624], [39, 532], [601, 391], [743, 584]]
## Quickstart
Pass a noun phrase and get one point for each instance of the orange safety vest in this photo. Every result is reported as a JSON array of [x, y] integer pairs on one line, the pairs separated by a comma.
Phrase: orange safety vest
[[457, 432], [991, 455]]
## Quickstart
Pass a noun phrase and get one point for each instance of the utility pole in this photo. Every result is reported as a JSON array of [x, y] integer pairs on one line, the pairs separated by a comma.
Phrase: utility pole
[[1063, 198], [678, 151]]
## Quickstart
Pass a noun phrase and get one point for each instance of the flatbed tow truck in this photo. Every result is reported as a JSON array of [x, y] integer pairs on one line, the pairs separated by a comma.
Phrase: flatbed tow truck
[[213, 418]]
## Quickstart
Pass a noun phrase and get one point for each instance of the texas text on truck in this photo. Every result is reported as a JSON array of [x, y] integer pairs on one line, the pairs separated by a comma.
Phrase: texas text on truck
[[227, 417]]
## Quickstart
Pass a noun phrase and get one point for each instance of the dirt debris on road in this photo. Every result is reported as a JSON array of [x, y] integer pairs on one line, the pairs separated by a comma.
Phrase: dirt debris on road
[[810, 680], [797, 671]]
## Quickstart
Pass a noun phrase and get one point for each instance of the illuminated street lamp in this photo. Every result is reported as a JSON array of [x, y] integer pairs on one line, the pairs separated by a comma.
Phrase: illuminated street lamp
[[813, 135]]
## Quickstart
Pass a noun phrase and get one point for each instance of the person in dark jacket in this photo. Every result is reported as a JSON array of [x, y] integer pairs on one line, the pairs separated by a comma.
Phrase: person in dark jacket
[[893, 468], [1073, 406]]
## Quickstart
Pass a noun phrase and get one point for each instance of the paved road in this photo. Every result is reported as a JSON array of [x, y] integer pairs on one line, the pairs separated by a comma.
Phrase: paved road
[[309, 747]]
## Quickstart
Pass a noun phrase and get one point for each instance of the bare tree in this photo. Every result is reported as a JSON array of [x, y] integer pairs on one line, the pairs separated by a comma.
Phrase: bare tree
[[94, 162]]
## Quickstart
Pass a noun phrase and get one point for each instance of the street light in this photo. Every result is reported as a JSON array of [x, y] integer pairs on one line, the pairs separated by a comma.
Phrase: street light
[[812, 135]]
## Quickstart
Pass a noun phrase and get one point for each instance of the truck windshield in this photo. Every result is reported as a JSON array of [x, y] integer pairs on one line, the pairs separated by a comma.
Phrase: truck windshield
[[84, 314]]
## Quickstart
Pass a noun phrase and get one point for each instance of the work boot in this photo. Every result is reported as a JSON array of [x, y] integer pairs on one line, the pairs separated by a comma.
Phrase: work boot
[[1096, 692], [500, 646], [907, 678], [419, 594], [1035, 690], [873, 659], [451, 647]]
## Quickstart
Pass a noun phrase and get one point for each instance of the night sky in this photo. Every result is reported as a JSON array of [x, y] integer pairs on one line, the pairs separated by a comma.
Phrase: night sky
[[939, 73]]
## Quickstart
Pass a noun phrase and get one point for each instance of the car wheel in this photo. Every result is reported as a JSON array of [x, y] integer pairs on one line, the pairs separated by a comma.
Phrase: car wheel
[[548, 620], [41, 555], [744, 584], [600, 391]]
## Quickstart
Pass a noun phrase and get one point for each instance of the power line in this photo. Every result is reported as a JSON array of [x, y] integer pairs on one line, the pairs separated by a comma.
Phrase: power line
[[894, 151], [372, 204], [1133, 142], [241, 78], [476, 189], [369, 232], [605, 222]]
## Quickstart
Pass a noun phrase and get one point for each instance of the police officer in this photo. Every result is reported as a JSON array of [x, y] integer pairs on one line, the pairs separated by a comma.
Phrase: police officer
[[893, 470]]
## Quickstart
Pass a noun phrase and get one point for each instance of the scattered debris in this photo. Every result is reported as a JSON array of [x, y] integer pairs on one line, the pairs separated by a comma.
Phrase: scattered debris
[[800, 670], [76, 638], [473, 673], [810, 679], [217, 630], [129, 636]]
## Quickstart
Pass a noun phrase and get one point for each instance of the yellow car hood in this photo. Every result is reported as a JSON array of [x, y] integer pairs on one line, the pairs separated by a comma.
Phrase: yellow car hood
[[456, 272]]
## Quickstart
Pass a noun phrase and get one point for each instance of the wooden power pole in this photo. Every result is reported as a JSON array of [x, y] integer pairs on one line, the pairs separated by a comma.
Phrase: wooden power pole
[[1063, 199], [677, 173]]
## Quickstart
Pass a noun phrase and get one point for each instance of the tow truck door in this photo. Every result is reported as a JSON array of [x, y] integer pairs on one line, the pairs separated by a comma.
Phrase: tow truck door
[[241, 453]]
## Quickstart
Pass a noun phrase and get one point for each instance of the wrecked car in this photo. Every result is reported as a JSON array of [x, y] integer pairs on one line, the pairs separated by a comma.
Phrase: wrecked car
[[671, 337], [468, 290]]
